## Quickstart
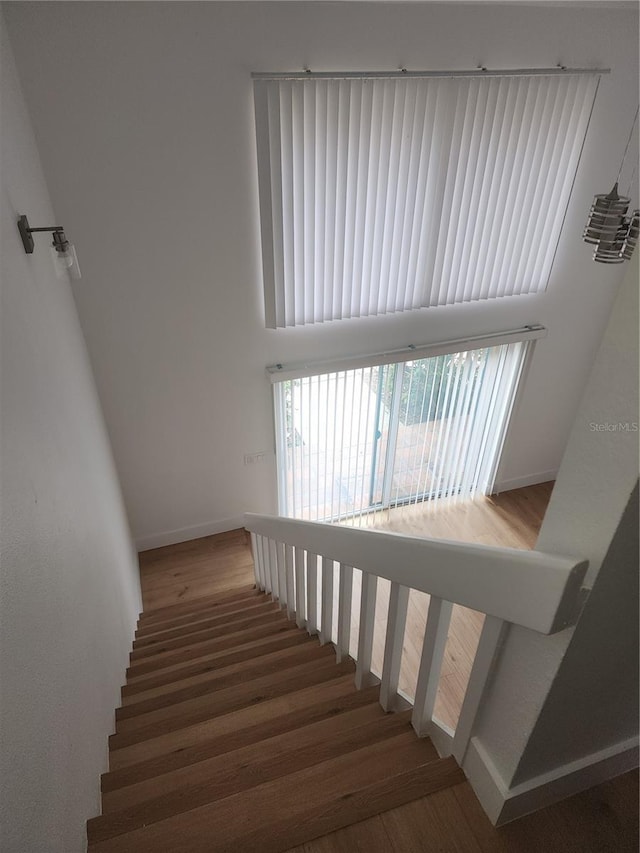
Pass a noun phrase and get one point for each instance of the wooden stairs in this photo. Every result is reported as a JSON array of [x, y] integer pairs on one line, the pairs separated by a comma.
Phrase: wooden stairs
[[239, 732]]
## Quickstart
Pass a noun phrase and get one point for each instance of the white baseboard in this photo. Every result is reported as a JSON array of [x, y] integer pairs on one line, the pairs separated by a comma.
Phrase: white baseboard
[[521, 482], [503, 804], [441, 737], [185, 534], [485, 780]]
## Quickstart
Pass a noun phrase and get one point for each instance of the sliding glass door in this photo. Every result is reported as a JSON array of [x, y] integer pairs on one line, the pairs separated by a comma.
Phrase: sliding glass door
[[387, 435]]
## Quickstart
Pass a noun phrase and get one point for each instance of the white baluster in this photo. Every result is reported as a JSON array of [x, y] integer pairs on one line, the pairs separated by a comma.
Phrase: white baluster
[[364, 677], [493, 632], [327, 601], [344, 612], [273, 569], [435, 638], [255, 549], [300, 588], [282, 578], [264, 549], [288, 567], [312, 593], [396, 621]]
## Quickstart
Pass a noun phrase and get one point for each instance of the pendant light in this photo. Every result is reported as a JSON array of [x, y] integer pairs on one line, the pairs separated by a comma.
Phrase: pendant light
[[608, 227]]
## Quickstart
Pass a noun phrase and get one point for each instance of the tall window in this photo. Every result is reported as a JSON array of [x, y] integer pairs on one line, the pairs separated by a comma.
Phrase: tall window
[[357, 440], [386, 194]]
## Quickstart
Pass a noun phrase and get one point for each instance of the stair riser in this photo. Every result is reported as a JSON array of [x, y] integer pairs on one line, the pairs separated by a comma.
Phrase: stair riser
[[167, 720], [211, 663], [262, 750], [190, 653], [204, 619], [226, 733], [152, 616], [212, 682], [246, 821], [187, 638], [236, 777]]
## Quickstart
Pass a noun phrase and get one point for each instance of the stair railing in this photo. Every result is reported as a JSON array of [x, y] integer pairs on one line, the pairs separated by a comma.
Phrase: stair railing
[[536, 590]]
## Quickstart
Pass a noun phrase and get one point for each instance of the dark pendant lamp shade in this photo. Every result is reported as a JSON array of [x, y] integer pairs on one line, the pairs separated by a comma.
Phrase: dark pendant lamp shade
[[631, 237], [606, 217]]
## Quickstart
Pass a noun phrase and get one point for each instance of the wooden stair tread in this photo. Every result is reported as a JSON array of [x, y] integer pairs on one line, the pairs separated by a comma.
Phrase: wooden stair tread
[[241, 593], [247, 694], [248, 753], [235, 730], [192, 579], [333, 790], [244, 769], [195, 575], [201, 619], [229, 641], [218, 678], [205, 611], [212, 661], [188, 637]]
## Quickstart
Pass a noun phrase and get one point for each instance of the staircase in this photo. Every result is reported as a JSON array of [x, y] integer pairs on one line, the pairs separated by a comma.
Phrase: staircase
[[238, 731]]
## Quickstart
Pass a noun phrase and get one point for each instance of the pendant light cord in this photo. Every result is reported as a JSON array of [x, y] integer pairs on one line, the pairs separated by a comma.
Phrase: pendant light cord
[[624, 156], [633, 174]]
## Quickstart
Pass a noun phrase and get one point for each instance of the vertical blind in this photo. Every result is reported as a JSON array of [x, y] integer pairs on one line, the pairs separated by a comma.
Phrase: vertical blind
[[383, 195], [396, 434]]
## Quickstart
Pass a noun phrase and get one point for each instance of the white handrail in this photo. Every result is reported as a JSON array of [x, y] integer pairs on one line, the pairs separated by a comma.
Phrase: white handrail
[[529, 588]]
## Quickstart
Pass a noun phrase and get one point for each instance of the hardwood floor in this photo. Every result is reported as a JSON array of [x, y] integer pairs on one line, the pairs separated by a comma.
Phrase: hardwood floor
[[181, 573], [601, 820]]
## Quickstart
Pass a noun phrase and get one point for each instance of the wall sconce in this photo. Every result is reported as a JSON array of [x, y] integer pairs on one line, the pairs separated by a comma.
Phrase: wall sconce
[[64, 253]]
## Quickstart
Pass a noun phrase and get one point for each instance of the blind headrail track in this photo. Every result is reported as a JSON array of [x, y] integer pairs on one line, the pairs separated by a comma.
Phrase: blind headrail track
[[390, 75], [281, 372]]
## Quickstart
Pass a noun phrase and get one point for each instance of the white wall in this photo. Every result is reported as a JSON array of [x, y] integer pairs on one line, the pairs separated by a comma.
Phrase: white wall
[[573, 697], [148, 144], [69, 589]]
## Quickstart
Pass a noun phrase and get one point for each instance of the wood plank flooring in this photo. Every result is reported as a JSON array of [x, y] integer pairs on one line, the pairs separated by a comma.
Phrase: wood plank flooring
[[601, 820]]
